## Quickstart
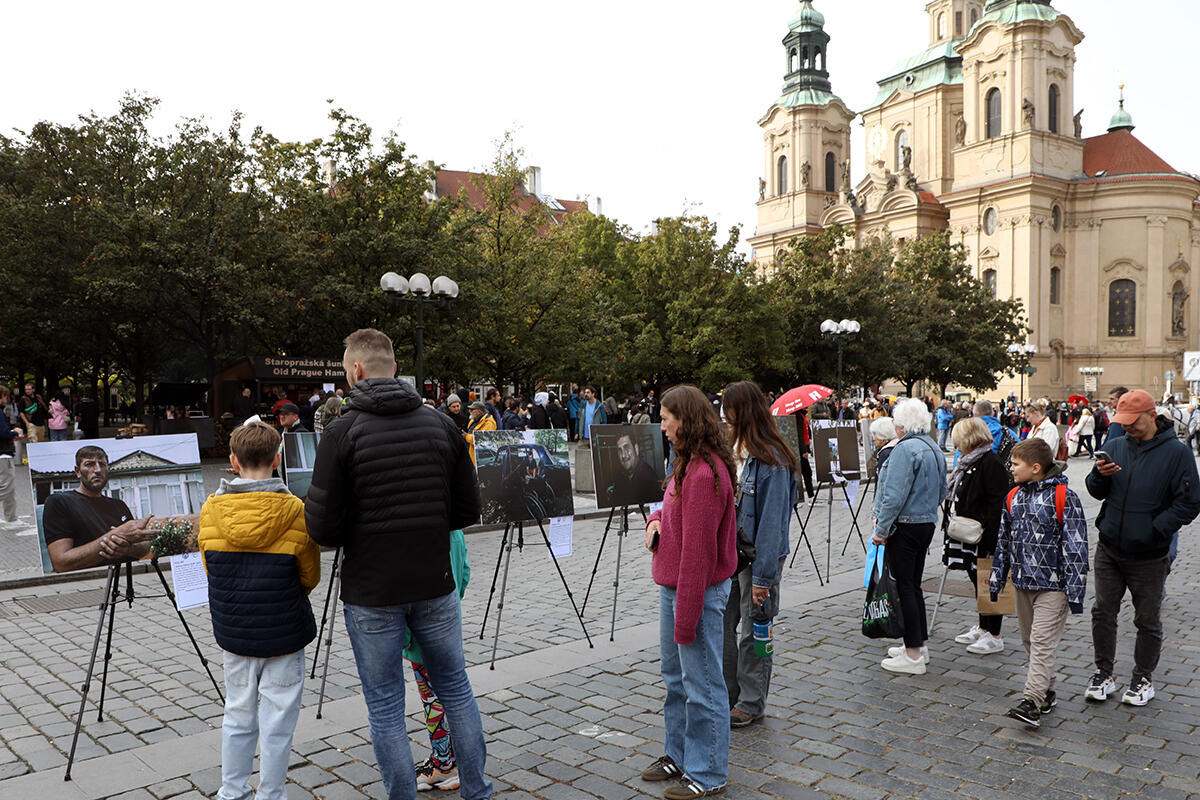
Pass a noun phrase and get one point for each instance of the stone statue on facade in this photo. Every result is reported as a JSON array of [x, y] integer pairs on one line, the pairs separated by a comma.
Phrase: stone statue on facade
[[762, 189], [805, 174], [905, 158], [846, 175], [960, 131], [892, 182], [1079, 124], [1179, 310], [1028, 110]]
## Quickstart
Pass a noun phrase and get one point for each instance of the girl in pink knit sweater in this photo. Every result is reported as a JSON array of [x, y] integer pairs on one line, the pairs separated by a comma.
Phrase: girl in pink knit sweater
[[694, 541]]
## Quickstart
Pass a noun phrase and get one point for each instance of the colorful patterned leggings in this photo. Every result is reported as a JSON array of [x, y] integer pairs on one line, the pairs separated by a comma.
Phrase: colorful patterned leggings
[[435, 720]]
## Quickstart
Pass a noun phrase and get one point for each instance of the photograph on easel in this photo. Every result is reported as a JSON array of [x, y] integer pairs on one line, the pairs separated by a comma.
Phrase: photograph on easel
[[82, 489], [299, 459], [523, 475], [629, 465], [786, 423], [836, 453]]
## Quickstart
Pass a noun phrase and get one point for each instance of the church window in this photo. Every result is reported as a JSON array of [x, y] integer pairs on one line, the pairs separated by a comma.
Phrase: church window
[[974, 16], [1122, 308], [830, 172], [781, 177], [989, 280], [804, 58], [901, 143], [941, 26], [792, 61], [1053, 108], [958, 24], [819, 61], [994, 115], [1056, 219], [1055, 286], [990, 221]]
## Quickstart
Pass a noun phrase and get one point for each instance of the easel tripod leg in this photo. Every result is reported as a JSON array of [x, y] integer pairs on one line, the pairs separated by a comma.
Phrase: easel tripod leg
[[112, 616], [938, 603], [333, 571], [811, 554], [504, 542], [563, 578], [624, 529], [109, 588], [599, 553], [335, 591], [187, 628], [506, 551]]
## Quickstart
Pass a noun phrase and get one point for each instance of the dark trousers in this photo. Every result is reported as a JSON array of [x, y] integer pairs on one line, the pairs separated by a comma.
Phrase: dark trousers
[[905, 552], [807, 474], [1085, 441], [1145, 581], [988, 622]]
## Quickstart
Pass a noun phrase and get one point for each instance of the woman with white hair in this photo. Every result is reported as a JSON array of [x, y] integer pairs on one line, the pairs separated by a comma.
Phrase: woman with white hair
[[912, 486], [883, 433]]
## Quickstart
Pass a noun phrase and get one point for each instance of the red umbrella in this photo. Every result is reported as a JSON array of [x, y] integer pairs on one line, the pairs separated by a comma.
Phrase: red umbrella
[[1077, 398], [799, 398]]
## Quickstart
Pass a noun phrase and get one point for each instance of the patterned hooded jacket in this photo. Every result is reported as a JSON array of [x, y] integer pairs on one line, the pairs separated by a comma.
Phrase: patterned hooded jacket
[[1034, 552]]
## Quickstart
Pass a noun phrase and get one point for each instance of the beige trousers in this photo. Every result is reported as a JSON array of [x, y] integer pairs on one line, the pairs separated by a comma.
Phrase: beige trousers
[[1042, 617]]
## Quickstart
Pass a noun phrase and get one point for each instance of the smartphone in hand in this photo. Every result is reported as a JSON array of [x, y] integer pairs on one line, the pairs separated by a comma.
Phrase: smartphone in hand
[[654, 542], [1102, 456]]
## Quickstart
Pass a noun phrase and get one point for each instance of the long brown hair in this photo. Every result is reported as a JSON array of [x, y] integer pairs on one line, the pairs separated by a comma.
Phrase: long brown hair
[[699, 435], [752, 427]]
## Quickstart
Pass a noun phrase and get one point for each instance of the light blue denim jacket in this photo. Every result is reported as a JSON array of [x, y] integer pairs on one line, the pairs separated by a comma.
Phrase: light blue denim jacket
[[767, 494], [912, 485]]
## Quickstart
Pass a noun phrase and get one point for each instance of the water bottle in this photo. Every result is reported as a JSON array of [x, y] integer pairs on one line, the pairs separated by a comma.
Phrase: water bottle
[[764, 630]]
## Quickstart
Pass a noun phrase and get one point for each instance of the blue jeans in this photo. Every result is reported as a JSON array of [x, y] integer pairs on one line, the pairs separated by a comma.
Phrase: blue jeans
[[58, 436], [696, 711], [262, 704], [942, 434], [377, 636]]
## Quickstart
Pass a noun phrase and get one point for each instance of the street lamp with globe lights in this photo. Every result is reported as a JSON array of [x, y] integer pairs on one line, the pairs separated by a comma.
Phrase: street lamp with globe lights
[[1022, 353], [418, 290], [840, 332]]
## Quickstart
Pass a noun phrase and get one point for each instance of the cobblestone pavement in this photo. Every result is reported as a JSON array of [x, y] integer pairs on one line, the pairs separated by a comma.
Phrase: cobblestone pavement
[[565, 722]]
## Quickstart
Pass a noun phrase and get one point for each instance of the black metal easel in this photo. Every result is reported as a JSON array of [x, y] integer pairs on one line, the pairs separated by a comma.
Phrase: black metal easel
[[507, 542], [108, 607], [622, 530], [331, 597], [829, 525]]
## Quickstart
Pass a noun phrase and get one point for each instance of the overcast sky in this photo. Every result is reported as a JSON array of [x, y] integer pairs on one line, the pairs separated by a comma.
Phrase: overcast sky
[[650, 105]]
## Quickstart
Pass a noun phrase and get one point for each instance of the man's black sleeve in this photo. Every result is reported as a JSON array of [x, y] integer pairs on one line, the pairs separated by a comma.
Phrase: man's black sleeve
[[465, 506], [56, 520], [325, 507]]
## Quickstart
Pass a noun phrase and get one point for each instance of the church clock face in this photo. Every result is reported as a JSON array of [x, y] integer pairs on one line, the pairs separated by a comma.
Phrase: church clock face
[[875, 142]]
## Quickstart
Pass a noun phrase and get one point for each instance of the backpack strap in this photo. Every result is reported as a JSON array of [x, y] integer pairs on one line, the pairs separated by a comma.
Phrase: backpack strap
[[1011, 495], [1060, 501]]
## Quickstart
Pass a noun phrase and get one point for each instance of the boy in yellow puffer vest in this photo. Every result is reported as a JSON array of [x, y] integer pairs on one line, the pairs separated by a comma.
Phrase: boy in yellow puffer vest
[[261, 566]]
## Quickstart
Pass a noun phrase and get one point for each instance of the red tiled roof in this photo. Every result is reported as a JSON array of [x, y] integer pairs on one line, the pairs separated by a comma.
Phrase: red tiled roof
[[1121, 153], [928, 198], [451, 182]]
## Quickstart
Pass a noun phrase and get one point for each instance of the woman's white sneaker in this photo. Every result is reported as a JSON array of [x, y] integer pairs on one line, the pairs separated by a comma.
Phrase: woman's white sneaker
[[899, 650], [903, 664], [986, 645], [971, 636]]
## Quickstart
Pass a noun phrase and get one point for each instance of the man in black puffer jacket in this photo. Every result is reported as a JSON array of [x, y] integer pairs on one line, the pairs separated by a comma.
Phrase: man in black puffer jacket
[[392, 479]]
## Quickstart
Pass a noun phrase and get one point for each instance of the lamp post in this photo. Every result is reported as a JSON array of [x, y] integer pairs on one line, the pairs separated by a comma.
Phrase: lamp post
[[1091, 379], [840, 332], [418, 291], [1021, 353]]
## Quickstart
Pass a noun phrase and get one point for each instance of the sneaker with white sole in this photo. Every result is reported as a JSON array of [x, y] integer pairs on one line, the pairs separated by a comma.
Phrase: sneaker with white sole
[[430, 777], [1100, 687], [986, 645], [971, 636], [899, 650], [904, 665], [1140, 692]]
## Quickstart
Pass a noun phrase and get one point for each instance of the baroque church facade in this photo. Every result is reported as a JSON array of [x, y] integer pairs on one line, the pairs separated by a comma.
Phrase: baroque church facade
[[977, 135]]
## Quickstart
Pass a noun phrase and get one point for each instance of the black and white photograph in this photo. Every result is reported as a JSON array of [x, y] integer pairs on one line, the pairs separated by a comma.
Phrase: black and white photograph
[[83, 488], [628, 463], [523, 475]]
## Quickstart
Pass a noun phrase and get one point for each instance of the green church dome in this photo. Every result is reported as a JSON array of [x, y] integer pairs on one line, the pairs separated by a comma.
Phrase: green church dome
[[807, 18], [1122, 120], [1007, 12]]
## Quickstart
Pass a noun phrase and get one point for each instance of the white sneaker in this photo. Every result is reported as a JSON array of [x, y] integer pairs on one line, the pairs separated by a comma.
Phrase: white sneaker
[[986, 645], [971, 636], [903, 664], [1139, 693], [1100, 687], [899, 650]]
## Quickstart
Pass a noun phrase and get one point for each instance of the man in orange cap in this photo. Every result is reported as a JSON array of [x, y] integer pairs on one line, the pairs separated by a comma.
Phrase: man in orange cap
[[1150, 490]]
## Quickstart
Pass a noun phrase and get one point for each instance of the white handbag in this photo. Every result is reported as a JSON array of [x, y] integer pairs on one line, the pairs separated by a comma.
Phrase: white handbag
[[965, 530]]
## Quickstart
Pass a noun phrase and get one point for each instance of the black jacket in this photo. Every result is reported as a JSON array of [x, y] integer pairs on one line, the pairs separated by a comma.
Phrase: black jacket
[[558, 416], [539, 418], [1154, 495], [981, 496], [392, 479]]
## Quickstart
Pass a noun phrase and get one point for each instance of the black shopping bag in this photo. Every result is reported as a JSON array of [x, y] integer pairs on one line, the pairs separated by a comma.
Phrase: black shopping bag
[[882, 618]]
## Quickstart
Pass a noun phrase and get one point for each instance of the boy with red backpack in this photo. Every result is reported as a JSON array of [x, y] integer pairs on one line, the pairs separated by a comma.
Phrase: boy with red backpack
[[1043, 548]]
